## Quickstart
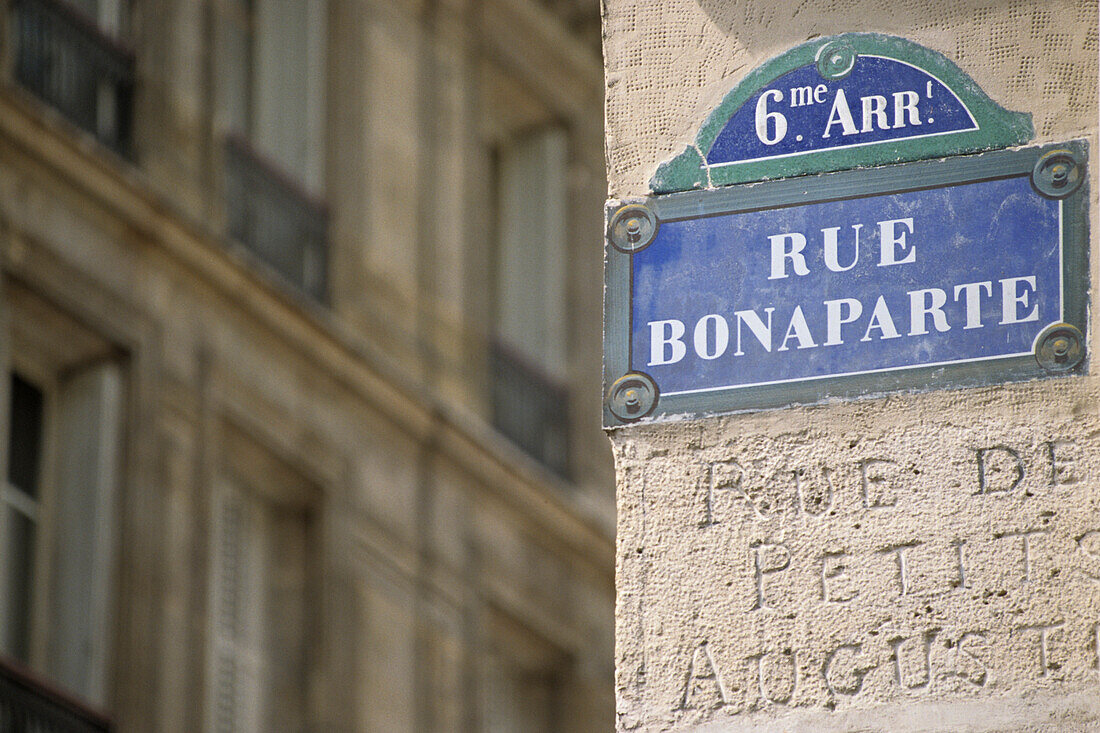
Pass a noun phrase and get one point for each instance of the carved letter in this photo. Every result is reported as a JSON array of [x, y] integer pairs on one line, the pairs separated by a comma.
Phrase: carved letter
[[1089, 545], [844, 684], [763, 678], [814, 502], [1096, 646], [992, 469], [1025, 546], [1061, 468], [1044, 650], [833, 567], [768, 559], [972, 669], [874, 496], [922, 681], [960, 553], [723, 476], [703, 668], [903, 563]]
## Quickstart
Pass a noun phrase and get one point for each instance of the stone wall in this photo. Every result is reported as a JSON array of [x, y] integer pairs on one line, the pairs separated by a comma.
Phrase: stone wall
[[914, 562]]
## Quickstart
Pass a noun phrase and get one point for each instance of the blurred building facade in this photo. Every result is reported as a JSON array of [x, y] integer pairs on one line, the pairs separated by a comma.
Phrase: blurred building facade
[[301, 319]]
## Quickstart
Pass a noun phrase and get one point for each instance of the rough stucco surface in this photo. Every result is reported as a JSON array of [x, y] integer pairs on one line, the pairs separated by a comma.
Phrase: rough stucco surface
[[669, 62], [919, 562]]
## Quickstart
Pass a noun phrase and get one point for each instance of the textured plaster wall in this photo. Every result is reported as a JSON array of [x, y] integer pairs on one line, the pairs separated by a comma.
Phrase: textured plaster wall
[[919, 562]]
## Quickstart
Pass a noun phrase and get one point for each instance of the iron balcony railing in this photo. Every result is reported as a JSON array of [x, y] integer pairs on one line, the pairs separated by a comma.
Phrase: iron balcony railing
[[530, 408], [29, 705], [68, 62], [275, 219]]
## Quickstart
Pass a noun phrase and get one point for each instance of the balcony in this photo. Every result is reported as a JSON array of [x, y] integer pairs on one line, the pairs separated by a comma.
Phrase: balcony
[[29, 705], [530, 408], [63, 58], [274, 218]]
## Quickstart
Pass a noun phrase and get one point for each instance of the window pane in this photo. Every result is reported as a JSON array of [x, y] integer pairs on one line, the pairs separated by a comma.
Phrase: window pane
[[25, 437], [234, 85], [531, 265], [289, 79], [259, 602], [18, 553], [89, 411], [88, 7], [528, 358]]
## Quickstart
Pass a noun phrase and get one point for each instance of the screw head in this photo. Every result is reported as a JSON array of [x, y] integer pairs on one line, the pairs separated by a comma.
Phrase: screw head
[[1057, 174], [835, 60], [632, 396], [632, 228], [1060, 347]]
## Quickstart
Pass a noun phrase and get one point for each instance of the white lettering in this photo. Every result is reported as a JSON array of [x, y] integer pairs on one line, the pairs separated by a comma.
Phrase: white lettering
[[763, 115], [666, 333], [890, 239], [819, 93], [1012, 298], [920, 309], [841, 115], [973, 292], [882, 320], [794, 254], [802, 96], [906, 102], [762, 333], [800, 330], [831, 259], [834, 317], [721, 336], [874, 111]]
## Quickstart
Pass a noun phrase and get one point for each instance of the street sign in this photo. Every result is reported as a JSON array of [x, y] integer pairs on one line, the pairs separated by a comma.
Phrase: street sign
[[966, 271], [857, 99]]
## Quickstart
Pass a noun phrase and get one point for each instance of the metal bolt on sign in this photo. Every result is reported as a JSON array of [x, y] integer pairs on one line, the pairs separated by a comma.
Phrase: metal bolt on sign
[[835, 60], [1060, 347], [632, 228], [632, 396], [1058, 173]]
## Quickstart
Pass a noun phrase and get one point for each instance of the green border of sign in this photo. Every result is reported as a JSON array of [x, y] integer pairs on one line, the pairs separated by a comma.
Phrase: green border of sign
[[997, 127], [831, 187]]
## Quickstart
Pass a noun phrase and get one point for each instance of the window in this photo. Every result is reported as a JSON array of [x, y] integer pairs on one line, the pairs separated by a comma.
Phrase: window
[[20, 507], [57, 529], [258, 659], [522, 682], [271, 59], [271, 56], [69, 54], [63, 395], [529, 353], [518, 700]]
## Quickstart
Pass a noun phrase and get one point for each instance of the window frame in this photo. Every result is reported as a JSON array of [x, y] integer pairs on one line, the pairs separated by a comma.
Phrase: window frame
[[45, 530], [270, 493], [52, 362]]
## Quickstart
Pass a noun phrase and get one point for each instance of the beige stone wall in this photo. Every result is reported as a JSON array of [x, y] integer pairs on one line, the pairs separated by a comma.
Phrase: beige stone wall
[[915, 562]]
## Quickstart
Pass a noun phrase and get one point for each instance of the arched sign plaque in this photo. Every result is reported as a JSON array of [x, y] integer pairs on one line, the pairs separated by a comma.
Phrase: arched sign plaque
[[854, 100]]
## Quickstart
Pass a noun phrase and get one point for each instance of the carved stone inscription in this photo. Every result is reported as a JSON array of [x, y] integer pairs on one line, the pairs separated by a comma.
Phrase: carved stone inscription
[[868, 576]]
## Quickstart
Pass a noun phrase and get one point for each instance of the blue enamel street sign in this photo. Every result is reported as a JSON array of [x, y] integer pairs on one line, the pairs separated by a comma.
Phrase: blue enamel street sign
[[847, 101], [965, 271], [878, 99]]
